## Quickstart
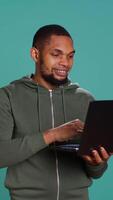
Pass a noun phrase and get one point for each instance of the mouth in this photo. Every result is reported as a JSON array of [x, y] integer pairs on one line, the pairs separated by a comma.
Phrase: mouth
[[60, 72]]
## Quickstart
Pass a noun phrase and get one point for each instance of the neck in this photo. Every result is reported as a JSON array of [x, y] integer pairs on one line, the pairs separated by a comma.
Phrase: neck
[[42, 82]]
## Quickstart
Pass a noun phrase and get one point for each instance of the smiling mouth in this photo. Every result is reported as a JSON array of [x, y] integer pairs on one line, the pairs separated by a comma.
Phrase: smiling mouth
[[61, 72]]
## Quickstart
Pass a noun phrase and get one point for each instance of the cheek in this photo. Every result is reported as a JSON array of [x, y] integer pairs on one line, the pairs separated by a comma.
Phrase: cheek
[[70, 64], [50, 63], [47, 67]]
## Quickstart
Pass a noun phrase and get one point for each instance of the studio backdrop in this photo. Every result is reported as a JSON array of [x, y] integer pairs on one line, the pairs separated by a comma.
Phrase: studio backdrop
[[91, 26]]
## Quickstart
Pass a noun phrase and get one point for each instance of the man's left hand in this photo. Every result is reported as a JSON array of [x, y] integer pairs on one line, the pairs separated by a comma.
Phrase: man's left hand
[[97, 156]]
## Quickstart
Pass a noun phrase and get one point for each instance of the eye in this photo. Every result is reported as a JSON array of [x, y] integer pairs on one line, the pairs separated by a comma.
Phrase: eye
[[55, 54], [71, 56]]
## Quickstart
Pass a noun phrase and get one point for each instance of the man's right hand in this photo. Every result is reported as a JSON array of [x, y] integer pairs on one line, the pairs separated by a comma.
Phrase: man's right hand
[[64, 132]]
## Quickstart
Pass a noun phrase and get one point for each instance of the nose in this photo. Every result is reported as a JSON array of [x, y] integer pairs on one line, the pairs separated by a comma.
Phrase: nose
[[64, 61]]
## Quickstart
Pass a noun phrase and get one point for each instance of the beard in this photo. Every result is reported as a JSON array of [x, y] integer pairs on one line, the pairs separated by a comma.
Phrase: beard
[[53, 81]]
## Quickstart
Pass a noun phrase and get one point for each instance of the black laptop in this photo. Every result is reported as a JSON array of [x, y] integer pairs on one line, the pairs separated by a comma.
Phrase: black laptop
[[98, 129]]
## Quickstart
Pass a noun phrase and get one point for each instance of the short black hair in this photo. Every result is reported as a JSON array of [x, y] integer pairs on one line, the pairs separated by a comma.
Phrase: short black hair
[[45, 32]]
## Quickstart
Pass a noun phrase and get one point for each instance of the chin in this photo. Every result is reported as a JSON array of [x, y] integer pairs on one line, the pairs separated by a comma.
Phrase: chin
[[57, 81], [60, 77]]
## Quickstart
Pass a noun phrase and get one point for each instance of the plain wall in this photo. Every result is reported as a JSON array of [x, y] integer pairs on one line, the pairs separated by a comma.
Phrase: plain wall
[[91, 26]]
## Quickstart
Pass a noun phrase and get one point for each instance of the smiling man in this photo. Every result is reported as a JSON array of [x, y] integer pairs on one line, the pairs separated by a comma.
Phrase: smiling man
[[36, 113]]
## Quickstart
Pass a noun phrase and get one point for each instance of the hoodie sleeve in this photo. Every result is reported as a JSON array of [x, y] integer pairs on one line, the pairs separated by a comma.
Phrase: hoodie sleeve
[[15, 150], [96, 171]]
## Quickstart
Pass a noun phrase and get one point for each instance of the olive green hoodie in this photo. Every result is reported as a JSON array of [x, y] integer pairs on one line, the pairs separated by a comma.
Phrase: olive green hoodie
[[35, 171]]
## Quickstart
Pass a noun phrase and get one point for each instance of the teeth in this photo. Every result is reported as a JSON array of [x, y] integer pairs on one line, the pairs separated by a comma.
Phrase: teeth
[[61, 72]]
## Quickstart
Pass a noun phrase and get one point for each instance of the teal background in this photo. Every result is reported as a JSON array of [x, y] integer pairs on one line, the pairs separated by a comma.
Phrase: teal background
[[91, 26]]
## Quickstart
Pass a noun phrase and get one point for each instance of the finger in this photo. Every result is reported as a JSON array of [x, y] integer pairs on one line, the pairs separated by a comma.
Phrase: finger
[[78, 122], [88, 159], [96, 157], [78, 125], [104, 154]]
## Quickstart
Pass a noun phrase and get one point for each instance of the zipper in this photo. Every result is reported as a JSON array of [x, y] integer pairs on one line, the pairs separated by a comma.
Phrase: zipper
[[53, 125], [52, 111]]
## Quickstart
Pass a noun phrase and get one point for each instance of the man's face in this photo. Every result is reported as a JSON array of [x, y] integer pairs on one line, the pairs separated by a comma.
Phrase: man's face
[[55, 60]]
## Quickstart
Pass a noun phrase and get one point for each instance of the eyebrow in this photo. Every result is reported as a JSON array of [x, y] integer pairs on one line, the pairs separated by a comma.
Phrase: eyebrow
[[60, 51]]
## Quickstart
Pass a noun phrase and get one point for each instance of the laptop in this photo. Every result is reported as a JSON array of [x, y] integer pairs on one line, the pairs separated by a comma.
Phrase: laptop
[[98, 129]]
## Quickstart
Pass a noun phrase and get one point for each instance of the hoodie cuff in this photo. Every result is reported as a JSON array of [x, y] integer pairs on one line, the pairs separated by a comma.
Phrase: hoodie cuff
[[96, 171]]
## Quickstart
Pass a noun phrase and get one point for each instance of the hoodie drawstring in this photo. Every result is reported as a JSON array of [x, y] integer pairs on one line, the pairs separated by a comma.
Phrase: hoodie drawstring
[[64, 106]]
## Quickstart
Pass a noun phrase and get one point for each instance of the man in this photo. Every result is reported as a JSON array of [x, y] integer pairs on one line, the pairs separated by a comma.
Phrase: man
[[34, 112]]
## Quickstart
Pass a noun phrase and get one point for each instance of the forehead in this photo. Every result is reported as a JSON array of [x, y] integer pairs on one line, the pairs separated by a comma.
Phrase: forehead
[[63, 43]]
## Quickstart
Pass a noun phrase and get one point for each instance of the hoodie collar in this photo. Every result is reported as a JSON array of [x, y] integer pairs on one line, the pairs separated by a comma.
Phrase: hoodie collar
[[28, 81]]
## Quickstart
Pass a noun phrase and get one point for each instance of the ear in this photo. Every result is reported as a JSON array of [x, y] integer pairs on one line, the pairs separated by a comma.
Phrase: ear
[[34, 54]]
